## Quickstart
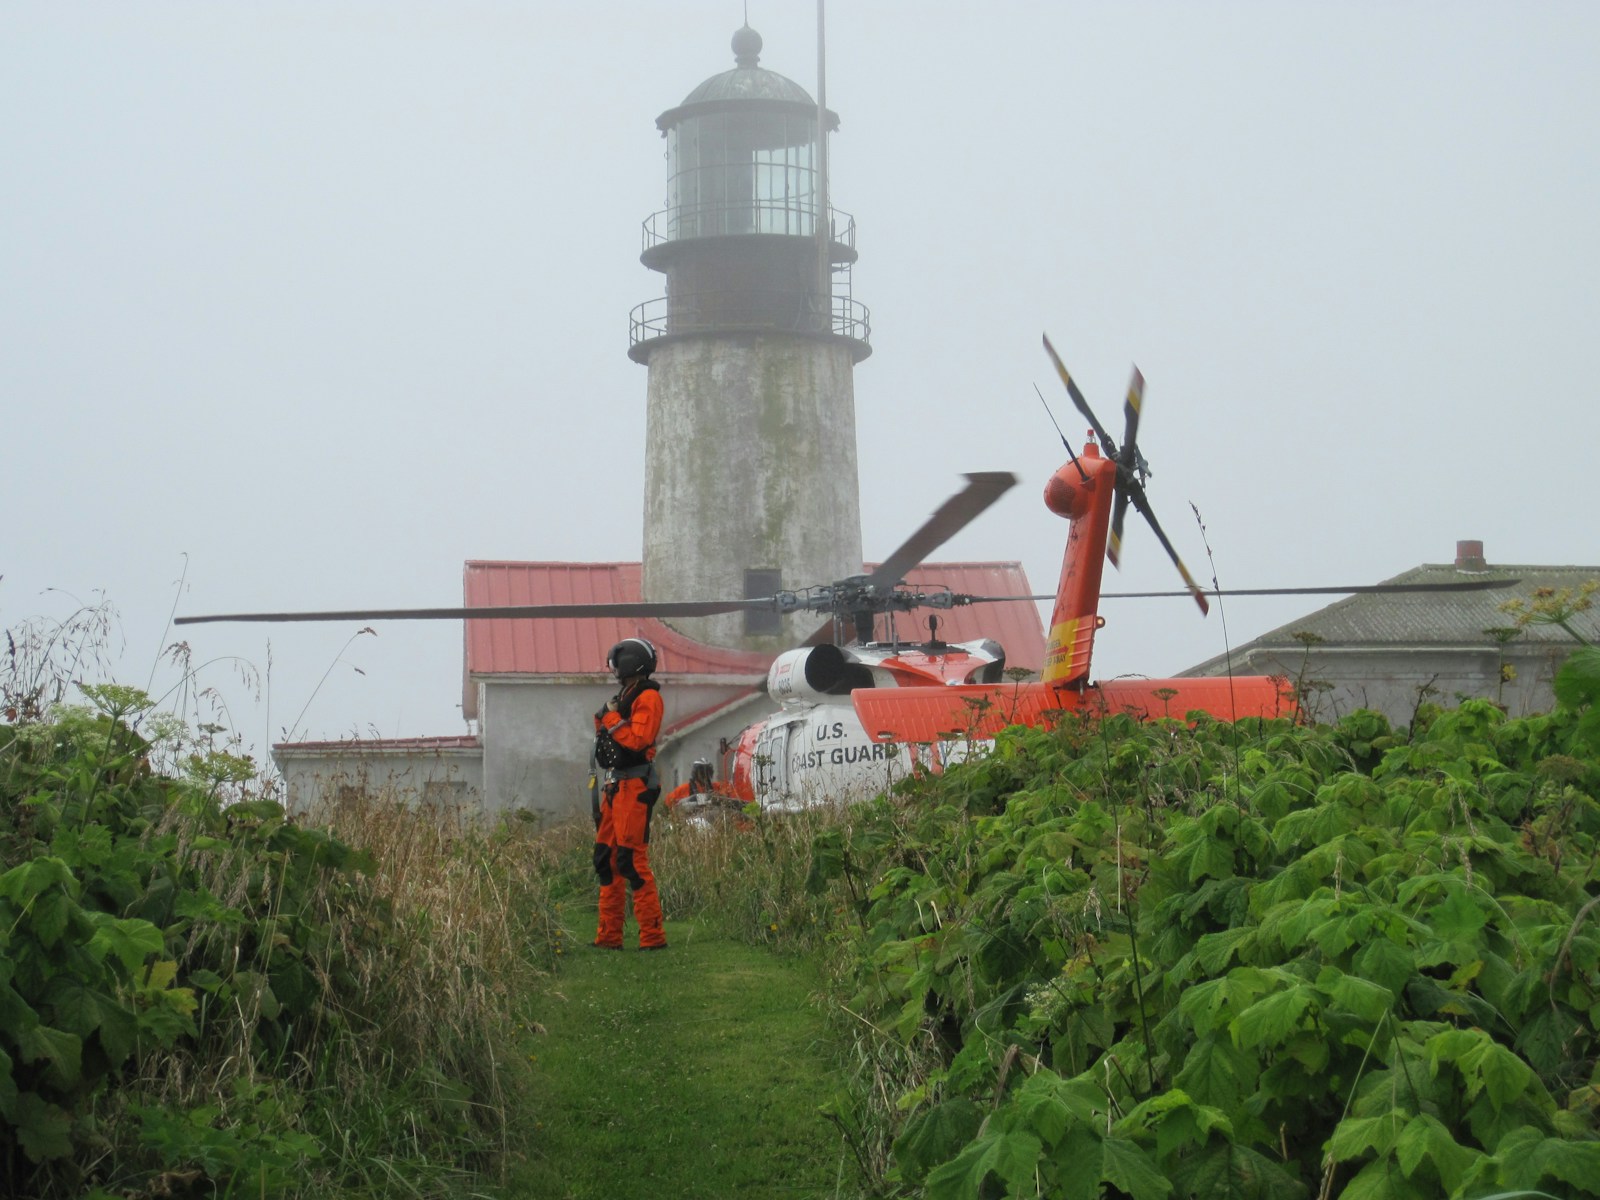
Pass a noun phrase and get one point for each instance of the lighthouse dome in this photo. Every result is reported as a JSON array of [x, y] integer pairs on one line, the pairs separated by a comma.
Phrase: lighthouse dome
[[748, 80]]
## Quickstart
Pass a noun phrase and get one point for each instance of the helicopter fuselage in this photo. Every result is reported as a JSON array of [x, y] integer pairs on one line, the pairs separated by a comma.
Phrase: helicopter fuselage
[[815, 749]]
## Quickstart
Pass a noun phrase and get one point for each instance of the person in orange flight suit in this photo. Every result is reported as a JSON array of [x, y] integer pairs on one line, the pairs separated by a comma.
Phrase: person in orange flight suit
[[701, 793], [625, 749]]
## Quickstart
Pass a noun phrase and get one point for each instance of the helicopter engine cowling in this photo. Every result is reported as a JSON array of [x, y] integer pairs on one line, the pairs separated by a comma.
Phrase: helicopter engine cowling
[[815, 673]]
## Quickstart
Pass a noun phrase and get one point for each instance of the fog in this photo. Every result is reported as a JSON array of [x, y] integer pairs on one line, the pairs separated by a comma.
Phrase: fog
[[307, 304]]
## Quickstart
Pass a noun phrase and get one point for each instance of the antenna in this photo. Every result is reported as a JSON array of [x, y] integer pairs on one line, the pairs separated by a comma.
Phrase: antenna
[[824, 217], [1084, 474]]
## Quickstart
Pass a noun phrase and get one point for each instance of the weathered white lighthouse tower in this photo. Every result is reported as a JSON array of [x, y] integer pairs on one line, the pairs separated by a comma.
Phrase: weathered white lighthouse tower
[[750, 465]]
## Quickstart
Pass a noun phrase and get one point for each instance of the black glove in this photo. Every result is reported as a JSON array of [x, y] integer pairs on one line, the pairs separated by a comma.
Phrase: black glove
[[602, 862]]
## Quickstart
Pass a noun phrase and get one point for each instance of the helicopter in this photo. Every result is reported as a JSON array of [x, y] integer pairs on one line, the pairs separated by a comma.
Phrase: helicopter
[[809, 684], [854, 713], [1093, 490], [942, 702]]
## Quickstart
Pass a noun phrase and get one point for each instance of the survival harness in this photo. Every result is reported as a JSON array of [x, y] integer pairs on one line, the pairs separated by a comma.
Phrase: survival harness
[[619, 760]]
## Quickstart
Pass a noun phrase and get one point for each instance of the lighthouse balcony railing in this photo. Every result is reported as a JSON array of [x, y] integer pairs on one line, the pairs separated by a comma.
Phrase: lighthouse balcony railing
[[783, 218], [747, 311]]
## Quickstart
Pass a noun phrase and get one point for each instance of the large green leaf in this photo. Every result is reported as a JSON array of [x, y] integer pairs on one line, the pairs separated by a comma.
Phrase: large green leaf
[[22, 883], [1354, 1136], [1214, 950], [1386, 963], [1528, 1158], [1382, 1180], [118, 1033], [1424, 1137], [63, 1051], [1224, 1171], [1125, 1165], [1269, 1021], [1578, 681], [131, 941], [44, 1130], [49, 914], [1458, 917], [1012, 1155], [74, 1005], [1369, 1001], [1077, 1163], [936, 1135], [1217, 1073]]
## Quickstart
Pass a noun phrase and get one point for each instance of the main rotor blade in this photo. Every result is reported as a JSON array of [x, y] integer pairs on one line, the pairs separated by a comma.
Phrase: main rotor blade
[[1079, 402], [1127, 462], [643, 608], [1363, 589], [982, 490], [1470, 585]]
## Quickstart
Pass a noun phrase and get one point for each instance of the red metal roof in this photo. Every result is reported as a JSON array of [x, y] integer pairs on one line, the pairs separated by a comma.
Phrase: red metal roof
[[578, 645]]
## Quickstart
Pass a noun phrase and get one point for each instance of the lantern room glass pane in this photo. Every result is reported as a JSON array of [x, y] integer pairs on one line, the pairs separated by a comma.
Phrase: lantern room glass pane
[[743, 172]]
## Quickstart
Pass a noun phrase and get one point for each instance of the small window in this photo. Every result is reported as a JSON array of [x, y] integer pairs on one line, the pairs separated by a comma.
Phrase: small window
[[762, 622]]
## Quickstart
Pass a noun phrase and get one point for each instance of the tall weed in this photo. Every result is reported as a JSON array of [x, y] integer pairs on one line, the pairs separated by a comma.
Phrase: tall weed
[[202, 993]]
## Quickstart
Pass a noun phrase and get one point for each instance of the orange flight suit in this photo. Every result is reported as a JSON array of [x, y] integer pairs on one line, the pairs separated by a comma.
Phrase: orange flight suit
[[718, 800], [716, 791], [622, 830]]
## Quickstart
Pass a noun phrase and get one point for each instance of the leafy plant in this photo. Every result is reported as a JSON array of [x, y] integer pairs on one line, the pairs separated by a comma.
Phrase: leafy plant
[[1260, 960]]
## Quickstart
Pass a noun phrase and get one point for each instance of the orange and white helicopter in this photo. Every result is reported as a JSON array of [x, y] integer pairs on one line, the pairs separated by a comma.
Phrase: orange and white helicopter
[[846, 708], [854, 713]]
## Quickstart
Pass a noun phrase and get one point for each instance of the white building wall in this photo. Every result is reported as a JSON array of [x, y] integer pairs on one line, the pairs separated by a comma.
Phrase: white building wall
[[1338, 680], [451, 778], [538, 735]]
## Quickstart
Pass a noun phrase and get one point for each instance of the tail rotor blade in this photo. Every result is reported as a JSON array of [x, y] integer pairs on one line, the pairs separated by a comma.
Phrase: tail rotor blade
[[1136, 495], [1119, 510], [1130, 429], [1079, 402], [1130, 464]]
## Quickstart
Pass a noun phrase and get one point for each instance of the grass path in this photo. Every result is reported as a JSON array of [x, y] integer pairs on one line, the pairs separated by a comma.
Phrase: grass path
[[692, 1072]]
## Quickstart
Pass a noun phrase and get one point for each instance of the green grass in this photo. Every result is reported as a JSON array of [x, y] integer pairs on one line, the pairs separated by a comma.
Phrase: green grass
[[693, 1072]]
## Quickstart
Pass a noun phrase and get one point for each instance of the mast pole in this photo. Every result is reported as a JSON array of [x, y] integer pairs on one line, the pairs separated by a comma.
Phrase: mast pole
[[824, 215]]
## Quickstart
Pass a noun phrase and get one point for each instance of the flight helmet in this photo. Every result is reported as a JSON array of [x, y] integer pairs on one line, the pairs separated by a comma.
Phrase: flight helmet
[[630, 657]]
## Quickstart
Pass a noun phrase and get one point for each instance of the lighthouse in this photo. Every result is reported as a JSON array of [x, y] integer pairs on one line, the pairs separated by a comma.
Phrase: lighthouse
[[751, 487], [750, 464]]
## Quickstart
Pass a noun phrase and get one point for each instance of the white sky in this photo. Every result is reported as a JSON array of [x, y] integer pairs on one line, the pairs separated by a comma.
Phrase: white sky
[[308, 303]]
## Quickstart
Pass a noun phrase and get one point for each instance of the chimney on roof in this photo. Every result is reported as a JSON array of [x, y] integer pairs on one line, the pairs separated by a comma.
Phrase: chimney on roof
[[1469, 557]]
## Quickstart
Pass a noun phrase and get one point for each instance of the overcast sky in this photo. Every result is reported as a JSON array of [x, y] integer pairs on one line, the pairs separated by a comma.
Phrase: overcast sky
[[305, 304]]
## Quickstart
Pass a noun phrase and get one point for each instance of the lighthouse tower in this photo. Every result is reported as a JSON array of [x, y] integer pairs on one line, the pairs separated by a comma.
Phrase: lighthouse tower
[[750, 461]]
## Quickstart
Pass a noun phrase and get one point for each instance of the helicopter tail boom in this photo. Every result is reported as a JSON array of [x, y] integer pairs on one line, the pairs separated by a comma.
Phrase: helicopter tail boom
[[935, 714]]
